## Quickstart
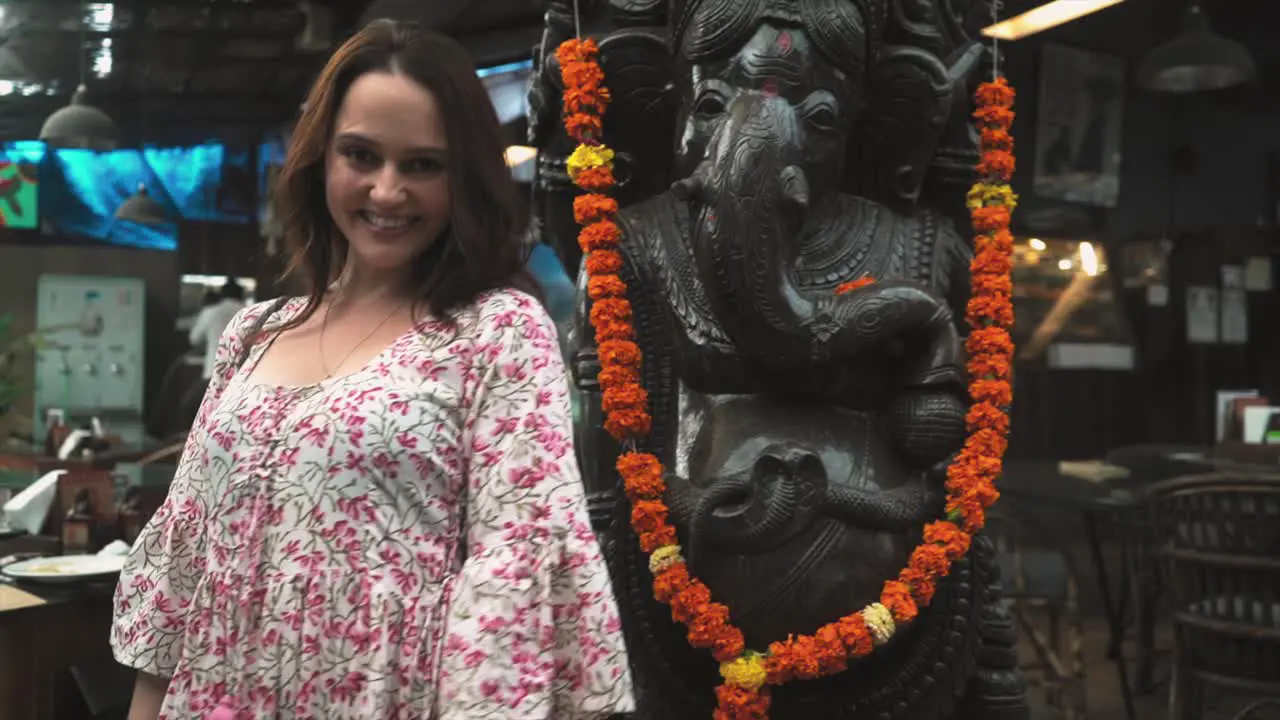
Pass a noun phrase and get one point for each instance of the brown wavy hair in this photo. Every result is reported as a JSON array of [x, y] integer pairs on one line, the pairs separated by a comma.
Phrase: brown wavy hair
[[482, 247]]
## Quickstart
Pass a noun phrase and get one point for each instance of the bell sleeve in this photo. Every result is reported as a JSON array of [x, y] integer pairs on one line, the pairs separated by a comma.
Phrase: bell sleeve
[[531, 628], [153, 596]]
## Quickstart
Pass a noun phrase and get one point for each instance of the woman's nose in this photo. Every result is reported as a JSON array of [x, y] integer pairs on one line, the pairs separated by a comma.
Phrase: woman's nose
[[388, 187]]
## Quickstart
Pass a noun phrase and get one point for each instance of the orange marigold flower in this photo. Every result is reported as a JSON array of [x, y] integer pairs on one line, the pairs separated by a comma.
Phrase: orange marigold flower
[[669, 582], [992, 285], [848, 287], [989, 218], [656, 539], [728, 644], [690, 601], [641, 475], [855, 635], [648, 515], [616, 376], [994, 116], [610, 309], [995, 341], [953, 540], [996, 138], [596, 179], [896, 596], [604, 262], [707, 625], [735, 703], [934, 560], [996, 392], [983, 310], [577, 50], [611, 329], [600, 287], [985, 416], [625, 424], [1000, 241], [619, 352], [966, 470], [779, 663], [830, 651], [624, 398], [991, 261], [997, 93], [970, 511], [594, 207], [805, 662], [990, 366], [583, 127], [922, 585], [601, 235], [997, 164], [987, 442]]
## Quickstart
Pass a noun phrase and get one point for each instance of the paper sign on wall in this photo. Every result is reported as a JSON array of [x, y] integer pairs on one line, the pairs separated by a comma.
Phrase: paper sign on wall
[[1202, 314]]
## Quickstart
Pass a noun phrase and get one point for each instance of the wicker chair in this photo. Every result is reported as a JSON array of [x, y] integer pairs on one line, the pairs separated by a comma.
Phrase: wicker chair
[[1218, 536]]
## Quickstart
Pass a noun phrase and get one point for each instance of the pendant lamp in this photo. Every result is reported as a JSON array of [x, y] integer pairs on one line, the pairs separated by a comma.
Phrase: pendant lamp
[[1196, 59], [143, 209], [79, 124]]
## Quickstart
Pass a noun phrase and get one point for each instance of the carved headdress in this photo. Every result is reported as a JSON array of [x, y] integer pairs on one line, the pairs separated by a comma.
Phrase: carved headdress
[[846, 31]]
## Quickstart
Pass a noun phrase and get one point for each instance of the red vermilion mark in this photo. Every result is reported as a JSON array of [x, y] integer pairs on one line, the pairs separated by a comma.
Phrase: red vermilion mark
[[770, 87], [784, 41]]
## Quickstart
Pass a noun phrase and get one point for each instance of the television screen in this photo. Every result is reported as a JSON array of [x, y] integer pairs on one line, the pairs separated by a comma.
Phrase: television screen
[[83, 190], [19, 184]]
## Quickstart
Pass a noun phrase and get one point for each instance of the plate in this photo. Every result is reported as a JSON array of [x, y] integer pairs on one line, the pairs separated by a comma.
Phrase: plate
[[64, 569]]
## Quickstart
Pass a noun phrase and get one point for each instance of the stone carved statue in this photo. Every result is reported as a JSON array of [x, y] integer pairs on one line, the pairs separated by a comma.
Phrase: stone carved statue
[[768, 151]]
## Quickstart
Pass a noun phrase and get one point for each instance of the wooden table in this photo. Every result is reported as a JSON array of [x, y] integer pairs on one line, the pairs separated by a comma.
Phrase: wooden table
[[42, 635]]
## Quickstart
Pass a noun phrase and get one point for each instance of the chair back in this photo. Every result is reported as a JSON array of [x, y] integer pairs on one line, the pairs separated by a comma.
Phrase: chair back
[[1218, 535]]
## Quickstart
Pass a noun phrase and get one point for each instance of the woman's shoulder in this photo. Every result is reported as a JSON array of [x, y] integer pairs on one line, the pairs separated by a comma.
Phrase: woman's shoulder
[[501, 312]]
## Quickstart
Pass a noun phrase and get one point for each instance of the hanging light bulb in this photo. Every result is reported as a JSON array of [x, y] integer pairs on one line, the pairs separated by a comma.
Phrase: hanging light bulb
[[1196, 59], [143, 209], [80, 125]]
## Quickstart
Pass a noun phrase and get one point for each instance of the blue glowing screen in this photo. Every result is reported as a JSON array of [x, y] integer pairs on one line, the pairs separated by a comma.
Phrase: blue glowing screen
[[80, 190]]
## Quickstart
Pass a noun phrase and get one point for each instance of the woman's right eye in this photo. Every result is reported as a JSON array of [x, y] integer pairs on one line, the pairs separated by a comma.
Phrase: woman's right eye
[[360, 156]]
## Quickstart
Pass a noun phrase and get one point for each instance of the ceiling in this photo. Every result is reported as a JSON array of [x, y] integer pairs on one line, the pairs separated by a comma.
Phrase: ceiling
[[176, 70]]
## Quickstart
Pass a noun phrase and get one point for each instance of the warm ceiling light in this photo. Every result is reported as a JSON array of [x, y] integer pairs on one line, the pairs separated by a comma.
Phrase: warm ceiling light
[[520, 154], [1046, 16]]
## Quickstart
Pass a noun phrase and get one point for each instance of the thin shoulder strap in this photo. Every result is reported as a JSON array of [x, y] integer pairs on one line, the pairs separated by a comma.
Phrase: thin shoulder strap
[[247, 340]]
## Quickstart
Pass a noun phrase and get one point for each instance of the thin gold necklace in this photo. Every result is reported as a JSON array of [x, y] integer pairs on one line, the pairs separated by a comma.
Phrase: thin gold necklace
[[324, 324]]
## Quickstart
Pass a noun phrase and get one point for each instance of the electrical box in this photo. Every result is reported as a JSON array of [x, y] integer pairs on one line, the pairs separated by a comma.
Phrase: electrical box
[[95, 328]]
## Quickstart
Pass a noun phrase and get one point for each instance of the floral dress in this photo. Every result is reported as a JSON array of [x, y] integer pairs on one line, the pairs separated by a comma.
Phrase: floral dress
[[409, 541]]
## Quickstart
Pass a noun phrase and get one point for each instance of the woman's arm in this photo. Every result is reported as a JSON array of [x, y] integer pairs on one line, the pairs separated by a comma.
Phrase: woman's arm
[[148, 695]]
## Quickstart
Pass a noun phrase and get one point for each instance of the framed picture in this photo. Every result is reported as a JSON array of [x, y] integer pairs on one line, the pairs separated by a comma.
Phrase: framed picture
[[1079, 125]]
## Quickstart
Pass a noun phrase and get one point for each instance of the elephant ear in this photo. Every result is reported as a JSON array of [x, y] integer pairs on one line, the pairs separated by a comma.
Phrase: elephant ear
[[909, 94], [641, 121]]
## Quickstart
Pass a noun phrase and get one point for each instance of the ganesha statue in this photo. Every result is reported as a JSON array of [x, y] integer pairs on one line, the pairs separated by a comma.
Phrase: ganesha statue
[[768, 152]]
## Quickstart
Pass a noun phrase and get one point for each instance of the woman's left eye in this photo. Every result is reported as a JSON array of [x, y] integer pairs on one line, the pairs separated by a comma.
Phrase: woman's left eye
[[422, 165]]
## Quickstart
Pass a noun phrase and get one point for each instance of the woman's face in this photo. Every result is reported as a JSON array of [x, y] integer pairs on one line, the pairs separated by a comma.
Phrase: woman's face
[[385, 179]]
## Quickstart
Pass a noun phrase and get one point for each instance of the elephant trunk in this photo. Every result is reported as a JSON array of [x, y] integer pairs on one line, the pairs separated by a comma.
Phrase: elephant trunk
[[750, 198]]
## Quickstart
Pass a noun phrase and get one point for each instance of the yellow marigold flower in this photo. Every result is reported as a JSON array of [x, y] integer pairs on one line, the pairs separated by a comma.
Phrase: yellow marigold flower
[[664, 557], [586, 157], [879, 621], [987, 194], [747, 672]]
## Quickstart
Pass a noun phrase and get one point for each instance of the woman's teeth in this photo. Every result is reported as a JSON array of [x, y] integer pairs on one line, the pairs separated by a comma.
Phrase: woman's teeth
[[386, 222]]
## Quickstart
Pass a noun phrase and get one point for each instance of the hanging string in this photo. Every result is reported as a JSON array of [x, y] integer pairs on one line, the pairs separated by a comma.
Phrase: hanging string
[[577, 19], [996, 7]]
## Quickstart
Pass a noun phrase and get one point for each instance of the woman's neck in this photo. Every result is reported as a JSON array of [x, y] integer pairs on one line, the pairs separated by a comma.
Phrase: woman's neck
[[361, 287]]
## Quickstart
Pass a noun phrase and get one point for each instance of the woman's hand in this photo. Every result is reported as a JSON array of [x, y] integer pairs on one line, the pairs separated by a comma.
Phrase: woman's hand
[[148, 696]]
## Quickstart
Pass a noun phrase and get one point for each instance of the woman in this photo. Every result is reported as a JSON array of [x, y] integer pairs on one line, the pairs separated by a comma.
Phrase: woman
[[378, 513]]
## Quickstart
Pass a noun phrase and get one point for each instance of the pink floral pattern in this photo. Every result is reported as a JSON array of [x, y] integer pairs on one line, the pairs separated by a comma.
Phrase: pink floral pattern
[[409, 541]]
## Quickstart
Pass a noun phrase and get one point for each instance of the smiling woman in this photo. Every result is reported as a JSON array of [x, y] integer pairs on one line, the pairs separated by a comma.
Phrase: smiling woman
[[378, 513]]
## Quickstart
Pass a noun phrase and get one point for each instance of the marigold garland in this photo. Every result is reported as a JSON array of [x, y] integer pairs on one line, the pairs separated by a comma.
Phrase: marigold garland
[[971, 476]]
